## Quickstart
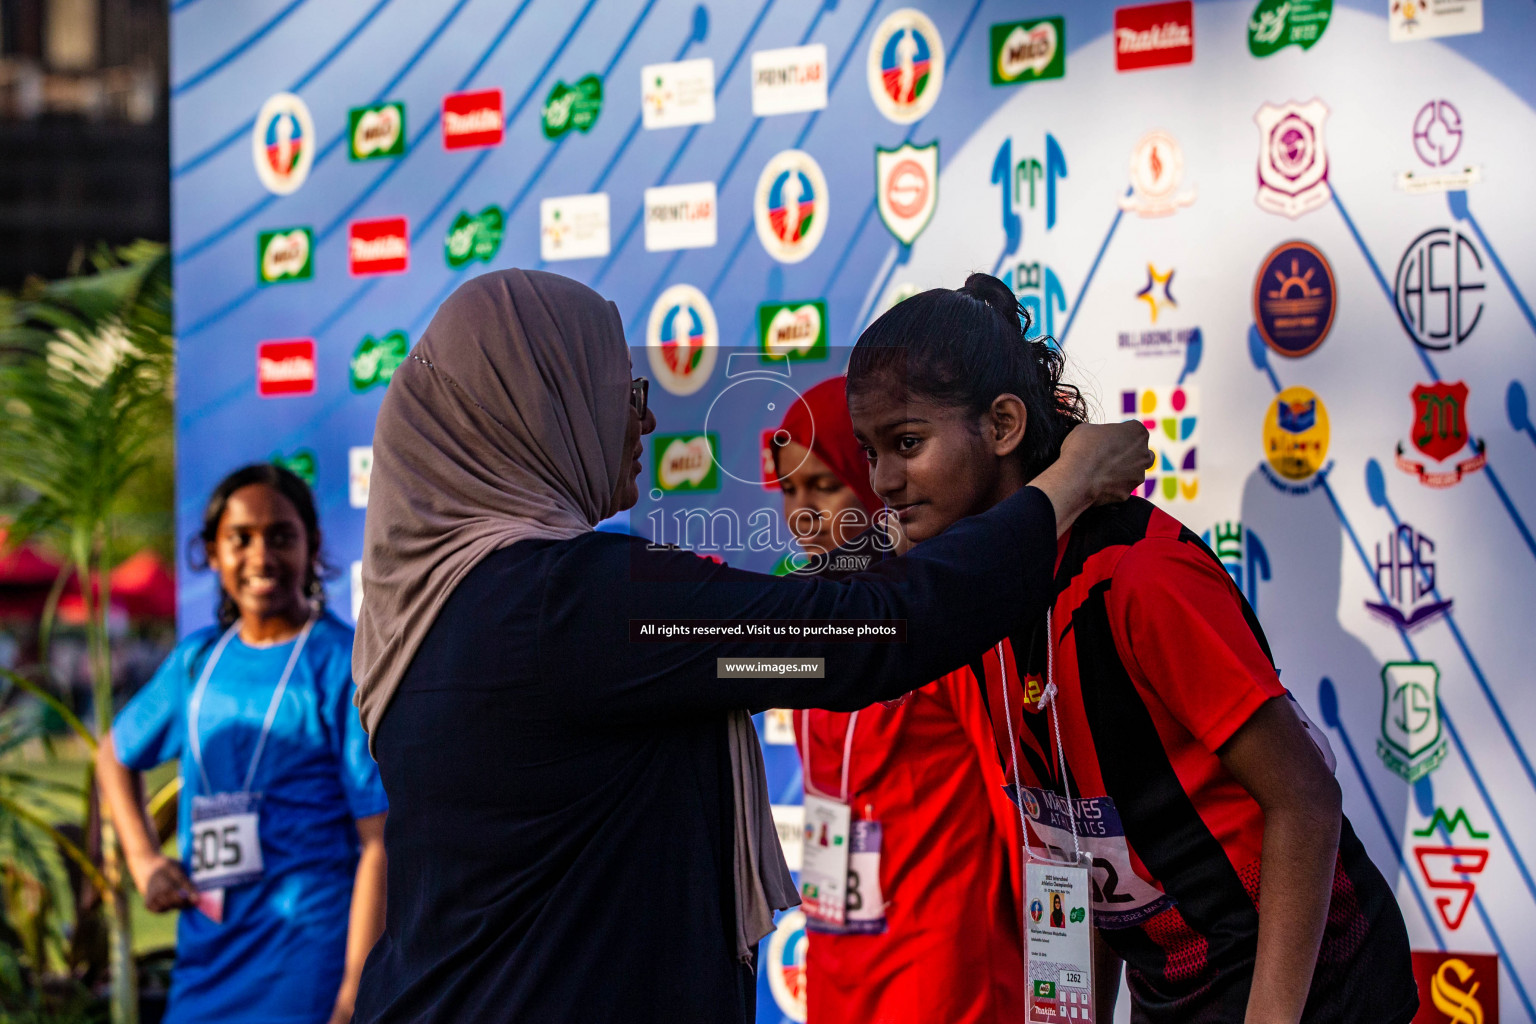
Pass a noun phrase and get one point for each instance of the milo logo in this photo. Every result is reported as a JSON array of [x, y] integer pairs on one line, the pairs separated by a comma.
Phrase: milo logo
[[1028, 50], [686, 462], [284, 255], [376, 131], [788, 330], [473, 237], [573, 106], [301, 464], [374, 362]]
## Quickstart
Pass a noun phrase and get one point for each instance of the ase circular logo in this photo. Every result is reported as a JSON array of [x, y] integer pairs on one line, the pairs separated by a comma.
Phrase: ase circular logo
[[682, 339], [1296, 434], [1294, 299], [1439, 289], [283, 143], [786, 965], [906, 65], [790, 206]]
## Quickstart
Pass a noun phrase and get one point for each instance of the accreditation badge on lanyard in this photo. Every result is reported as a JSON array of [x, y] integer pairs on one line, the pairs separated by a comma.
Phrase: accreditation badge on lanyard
[[1058, 910], [840, 857], [226, 826]]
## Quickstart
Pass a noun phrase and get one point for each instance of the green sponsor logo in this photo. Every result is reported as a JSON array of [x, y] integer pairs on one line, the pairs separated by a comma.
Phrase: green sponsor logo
[[792, 330], [573, 106], [374, 362], [1276, 24], [1045, 989], [1077, 914], [284, 255], [1024, 51], [473, 236], [377, 131], [686, 462], [301, 464]]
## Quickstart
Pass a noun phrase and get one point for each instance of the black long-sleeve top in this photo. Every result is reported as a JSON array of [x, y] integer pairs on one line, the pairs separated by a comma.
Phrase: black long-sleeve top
[[560, 824]]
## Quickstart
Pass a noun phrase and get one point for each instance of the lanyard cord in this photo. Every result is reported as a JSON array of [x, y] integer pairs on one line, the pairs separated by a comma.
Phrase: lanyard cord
[[195, 706], [805, 730], [1048, 698]]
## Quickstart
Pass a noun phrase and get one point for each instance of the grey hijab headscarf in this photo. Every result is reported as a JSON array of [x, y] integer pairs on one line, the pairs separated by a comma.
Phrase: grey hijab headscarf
[[507, 422]]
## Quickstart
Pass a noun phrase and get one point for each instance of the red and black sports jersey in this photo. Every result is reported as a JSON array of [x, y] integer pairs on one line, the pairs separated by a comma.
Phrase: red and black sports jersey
[[1158, 662]]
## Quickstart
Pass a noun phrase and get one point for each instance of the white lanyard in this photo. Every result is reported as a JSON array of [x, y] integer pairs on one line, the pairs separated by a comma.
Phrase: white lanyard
[[196, 703], [1047, 698], [805, 731]]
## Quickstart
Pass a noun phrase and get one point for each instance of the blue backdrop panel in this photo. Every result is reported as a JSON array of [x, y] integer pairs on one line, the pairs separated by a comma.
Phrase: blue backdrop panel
[[1298, 246]]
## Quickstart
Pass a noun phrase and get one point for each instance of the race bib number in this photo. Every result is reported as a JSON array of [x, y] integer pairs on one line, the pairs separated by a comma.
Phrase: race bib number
[[866, 903], [1121, 898], [1059, 935], [824, 862], [226, 840]]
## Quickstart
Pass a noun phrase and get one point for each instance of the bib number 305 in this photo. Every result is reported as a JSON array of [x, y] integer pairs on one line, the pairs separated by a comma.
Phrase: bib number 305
[[226, 846]]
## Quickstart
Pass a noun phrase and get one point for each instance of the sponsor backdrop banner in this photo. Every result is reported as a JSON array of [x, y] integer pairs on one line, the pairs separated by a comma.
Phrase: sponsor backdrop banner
[[1293, 236]]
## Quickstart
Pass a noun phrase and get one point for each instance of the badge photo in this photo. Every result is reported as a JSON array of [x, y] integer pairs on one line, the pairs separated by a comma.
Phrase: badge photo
[[283, 143], [789, 206], [907, 188], [906, 65], [682, 339]]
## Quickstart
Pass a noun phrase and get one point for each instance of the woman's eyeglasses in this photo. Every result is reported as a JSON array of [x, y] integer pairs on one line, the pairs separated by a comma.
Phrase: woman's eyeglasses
[[639, 393]]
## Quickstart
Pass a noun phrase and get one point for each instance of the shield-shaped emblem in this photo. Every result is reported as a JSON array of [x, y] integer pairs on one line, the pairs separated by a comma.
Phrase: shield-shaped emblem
[[1293, 162], [907, 188], [1440, 419], [1410, 710]]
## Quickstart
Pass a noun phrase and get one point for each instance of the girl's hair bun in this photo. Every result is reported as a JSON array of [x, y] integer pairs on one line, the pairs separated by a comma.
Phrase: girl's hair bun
[[1000, 297]]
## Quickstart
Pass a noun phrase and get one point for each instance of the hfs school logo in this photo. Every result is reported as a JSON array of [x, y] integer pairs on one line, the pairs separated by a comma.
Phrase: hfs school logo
[[790, 206], [906, 65], [1440, 433], [1412, 742], [283, 143], [682, 339]]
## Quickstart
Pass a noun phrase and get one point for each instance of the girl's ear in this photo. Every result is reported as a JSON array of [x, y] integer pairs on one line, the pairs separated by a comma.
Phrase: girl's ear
[[1006, 422]]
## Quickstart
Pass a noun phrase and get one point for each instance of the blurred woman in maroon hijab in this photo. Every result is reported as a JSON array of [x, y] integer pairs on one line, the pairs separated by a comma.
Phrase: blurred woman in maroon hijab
[[936, 935]]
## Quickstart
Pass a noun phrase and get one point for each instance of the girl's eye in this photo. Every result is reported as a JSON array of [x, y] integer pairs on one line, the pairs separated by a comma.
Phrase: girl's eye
[[869, 454], [907, 443]]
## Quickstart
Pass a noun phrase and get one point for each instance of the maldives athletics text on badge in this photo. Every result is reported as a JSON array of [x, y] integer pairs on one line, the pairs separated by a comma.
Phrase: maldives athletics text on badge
[[378, 246]]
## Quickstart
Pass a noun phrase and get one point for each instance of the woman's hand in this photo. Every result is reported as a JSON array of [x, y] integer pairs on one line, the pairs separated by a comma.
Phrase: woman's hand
[[1113, 458], [1100, 463], [163, 884]]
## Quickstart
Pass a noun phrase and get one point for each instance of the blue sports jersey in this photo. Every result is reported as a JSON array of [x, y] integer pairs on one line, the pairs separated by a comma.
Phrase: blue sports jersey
[[278, 956]]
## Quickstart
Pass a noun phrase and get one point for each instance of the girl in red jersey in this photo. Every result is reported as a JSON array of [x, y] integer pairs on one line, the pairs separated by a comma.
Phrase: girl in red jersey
[[1224, 876], [935, 936]]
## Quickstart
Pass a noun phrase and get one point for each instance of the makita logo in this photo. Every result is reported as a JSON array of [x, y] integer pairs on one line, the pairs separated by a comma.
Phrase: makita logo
[[285, 367], [472, 119], [1154, 35], [379, 246]]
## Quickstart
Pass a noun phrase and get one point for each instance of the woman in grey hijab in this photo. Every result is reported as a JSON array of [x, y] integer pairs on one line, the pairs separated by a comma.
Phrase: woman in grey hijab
[[579, 827]]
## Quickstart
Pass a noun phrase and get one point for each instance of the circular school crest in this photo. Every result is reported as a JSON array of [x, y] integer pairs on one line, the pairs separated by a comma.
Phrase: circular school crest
[[785, 965], [1294, 299], [906, 65], [283, 143], [682, 339], [790, 206]]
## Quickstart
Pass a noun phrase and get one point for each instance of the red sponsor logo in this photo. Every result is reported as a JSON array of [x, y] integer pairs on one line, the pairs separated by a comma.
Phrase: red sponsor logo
[[1455, 988], [1154, 34], [1450, 871], [472, 119], [285, 367], [379, 246]]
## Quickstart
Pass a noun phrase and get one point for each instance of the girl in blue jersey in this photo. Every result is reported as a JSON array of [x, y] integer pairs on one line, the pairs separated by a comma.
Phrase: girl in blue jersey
[[281, 876]]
